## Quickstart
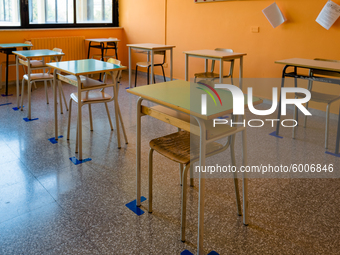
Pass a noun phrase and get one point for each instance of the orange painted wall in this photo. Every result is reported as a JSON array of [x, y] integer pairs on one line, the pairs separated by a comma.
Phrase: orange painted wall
[[22, 35], [228, 24]]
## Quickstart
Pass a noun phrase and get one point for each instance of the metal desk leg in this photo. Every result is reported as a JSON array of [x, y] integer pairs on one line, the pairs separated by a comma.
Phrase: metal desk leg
[[279, 109], [201, 198], [171, 64], [17, 78], [7, 53], [241, 73], [221, 71], [88, 52], [130, 71], [206, 65], [186, 66], [138, 151], [337, 136], [152, 67], [55, 104], [80, 145]]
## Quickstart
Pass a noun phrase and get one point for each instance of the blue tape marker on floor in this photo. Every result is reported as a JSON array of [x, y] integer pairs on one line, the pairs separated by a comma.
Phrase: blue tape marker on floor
[[186, 252], [133, 206], [3, 95], [17, 109], [333, 154], [127, 87], [28, 120], [274, 134], [77, 161], [53, 140], [213, 253], [5, 104], [223, 117]]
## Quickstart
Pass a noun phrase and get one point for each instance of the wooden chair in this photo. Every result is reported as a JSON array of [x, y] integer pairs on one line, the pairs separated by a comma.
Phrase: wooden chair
[[148, 65], [178, 147], [95, 96], [211, 74], [109, 46], [320, 97], [45, 77]]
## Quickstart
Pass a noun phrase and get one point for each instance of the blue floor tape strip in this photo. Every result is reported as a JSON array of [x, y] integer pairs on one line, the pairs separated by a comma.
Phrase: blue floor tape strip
[[186, 252], [333, 154], [133, 207], [77, 161], [17, 109], [5, 104], [274, 134], [28, 120], [53, 140], [223, 117], [3, 95]]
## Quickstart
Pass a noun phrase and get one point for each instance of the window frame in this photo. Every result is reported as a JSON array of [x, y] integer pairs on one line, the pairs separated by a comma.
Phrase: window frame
[[24, 19]]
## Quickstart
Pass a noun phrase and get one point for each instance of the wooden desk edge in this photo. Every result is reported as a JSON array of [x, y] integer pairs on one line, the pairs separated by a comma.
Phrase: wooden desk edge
[[84, 73], [237, 55], [150, 48], [40, 56]]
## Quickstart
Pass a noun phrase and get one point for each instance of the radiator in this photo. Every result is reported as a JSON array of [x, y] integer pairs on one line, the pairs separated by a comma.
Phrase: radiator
[[72, 46]]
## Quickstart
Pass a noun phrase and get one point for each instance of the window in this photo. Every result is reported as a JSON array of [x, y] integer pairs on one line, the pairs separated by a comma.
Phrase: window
[[9, 13], [58, 13]]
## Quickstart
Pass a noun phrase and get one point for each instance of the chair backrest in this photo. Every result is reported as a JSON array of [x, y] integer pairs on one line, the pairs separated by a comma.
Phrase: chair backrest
[[118, 63], [112, 43], [56, 58], [232, 61], [28, 42], [326, 73]]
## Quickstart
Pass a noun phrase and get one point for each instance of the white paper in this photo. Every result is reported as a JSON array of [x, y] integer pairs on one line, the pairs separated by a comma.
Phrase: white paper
[[274, 15], [328, 15]]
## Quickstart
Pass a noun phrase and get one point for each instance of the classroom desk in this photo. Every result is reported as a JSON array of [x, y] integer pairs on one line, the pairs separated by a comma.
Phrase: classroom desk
[[151, 48], [310, 65], [214, 55], [101, 45], [29, 54], [166, 94], [79, 68], [7, 49]]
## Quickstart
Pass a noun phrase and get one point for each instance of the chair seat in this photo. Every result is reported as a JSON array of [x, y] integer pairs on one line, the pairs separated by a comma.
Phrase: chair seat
[[85, 81], [320, 97], [100, 55], [208, 75], [176, 147], [143, 64], [35, 63], [91, 96], [39, 76]]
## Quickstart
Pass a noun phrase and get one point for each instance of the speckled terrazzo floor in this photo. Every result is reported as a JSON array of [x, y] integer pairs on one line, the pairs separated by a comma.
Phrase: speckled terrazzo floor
[[50, 206]]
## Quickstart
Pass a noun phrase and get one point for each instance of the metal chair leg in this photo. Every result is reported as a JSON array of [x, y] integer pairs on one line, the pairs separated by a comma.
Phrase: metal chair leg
[[90, 114], [180, 174], [136, 72], [108, 115], [22, 94], [305, 118], [122, 123], [148, 77], [150, 180], [233, 162], [184, 202], [327, 126], [61, 101], [191, 176], [69, 120], [295, 118], [77, 145], [62, 92], [163, 73], [45, 85]]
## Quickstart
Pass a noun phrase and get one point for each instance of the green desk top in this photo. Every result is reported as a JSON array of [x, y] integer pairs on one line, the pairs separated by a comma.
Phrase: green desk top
[[85, 66], [186, 97], [37, 53], [14, 45]]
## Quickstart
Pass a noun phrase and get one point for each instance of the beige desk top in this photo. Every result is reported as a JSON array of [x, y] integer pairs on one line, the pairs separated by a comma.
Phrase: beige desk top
[[186, 97], [311, 64], [99, 40], [150, 46], [214, 54]]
